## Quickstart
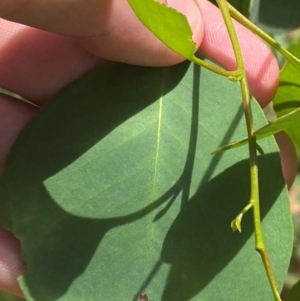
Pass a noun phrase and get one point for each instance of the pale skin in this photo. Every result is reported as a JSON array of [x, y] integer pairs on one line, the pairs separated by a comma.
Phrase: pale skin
[[76, 35]]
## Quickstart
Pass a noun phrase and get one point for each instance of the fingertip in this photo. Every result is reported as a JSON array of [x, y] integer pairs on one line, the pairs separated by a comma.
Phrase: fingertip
[[14, 115], [288, 157], [11, 264], [36, 64]]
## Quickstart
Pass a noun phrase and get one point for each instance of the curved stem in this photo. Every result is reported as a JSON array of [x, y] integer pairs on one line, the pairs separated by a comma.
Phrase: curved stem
[[232, 75]]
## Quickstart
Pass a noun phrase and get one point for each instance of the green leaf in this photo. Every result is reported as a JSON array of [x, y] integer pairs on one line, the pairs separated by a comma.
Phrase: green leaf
[[113, 192], [168, 25], [294, 294], [295, 49], [236, 223], [283, 123], [287, 97]]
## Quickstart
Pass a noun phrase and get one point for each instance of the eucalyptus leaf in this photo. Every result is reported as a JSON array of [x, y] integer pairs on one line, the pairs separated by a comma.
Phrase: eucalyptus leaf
[[113, 192], [287, 97]]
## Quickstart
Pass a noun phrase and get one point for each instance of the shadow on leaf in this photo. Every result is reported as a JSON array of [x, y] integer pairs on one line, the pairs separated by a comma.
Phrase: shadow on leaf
[[66, 252]]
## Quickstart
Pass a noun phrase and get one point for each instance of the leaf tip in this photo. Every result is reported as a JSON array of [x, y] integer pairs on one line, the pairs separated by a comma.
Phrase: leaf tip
[[236, 224]]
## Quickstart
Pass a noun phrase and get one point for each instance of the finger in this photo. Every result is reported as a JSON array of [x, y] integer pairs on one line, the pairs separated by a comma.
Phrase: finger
[[36, 64], [108, 28], [14, 115], [11, 264], [260, 63]]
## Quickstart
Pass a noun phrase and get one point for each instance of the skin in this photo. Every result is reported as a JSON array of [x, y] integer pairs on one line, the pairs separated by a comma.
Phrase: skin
[[67, 38]]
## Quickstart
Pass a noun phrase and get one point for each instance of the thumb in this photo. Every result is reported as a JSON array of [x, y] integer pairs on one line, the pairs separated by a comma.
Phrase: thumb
[[107, 28]]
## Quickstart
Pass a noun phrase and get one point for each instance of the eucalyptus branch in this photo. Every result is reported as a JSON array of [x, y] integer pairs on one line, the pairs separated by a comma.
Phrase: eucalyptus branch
[[165, 20], [254, 197]]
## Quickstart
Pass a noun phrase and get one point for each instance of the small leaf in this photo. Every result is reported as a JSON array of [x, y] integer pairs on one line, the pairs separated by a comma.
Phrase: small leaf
[[168, 25], [287, 97], [231, 145], [281, 124], [236, 223]]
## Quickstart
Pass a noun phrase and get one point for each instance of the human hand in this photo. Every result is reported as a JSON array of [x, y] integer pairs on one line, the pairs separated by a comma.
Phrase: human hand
[[36, 64]]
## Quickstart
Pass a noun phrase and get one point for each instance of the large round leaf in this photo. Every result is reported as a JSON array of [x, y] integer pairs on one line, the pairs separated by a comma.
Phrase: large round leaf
[[113, 191]]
